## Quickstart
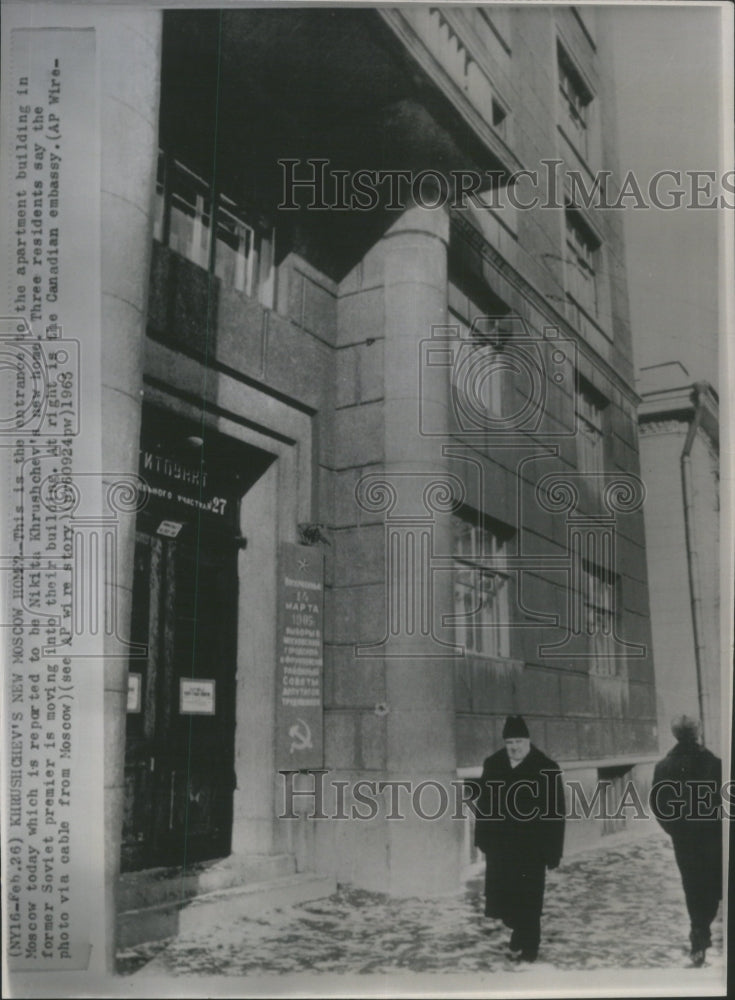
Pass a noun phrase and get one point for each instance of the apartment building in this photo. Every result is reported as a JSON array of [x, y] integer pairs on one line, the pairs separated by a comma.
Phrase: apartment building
[[390, 449]]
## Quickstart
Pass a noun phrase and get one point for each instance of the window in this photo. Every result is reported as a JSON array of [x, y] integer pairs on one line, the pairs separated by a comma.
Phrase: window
[[480, 588], [243, 251], [582, 252], [576, 100], [600, 602], [499, 116], [479, 373], [590, 411], [480, 376]]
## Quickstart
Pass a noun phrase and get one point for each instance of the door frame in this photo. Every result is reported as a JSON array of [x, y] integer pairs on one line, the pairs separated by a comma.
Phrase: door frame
[[287, 488]]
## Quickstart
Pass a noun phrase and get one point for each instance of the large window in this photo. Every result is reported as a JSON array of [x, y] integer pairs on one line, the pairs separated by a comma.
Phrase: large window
[[576, 101], [481, 587], [600, 602], [242, 255], [582, 263], [590, 407], [480, 376]]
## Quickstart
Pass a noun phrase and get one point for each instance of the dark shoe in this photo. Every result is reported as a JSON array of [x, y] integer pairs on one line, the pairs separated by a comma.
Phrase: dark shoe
[[697, 958], [523, 957]]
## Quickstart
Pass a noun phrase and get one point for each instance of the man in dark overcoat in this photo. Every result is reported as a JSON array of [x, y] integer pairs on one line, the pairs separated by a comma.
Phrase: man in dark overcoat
[[519, 827], [686, 801]]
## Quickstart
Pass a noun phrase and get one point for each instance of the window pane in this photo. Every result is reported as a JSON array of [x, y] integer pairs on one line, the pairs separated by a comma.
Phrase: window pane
[[581, 276], [235, 255], [600, 600], [481, 591], [183, 215]]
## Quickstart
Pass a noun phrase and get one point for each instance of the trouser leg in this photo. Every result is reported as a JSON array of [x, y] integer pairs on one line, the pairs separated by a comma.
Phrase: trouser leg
[[495, 904], [529, 899], [701, 879]]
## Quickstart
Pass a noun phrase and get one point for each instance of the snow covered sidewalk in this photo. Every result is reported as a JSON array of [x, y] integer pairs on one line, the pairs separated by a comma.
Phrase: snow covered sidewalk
[[618, 907]]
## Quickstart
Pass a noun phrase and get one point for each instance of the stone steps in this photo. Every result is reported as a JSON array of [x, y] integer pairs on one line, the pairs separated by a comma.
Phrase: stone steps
[[138, 890], [251, 900], [160, 903]]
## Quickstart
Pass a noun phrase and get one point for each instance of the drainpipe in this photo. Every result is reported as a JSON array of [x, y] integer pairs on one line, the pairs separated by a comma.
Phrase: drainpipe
[[695, 589]]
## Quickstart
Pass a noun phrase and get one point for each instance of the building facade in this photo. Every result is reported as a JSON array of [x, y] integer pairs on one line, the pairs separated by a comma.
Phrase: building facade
[[427, 412], [679, 438]]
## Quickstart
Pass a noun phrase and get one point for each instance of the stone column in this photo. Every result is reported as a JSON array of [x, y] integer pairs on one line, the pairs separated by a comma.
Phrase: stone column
[[129, 60], [423, 855]]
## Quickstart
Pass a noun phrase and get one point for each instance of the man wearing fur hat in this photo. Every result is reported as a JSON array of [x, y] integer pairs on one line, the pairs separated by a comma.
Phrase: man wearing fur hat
[[520, 829]]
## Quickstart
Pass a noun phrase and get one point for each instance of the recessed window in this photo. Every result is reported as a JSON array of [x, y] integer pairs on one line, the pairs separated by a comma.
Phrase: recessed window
[[582, 257], [590, 410], [576, 101], [600, 596], [481, 606], [481, 381]]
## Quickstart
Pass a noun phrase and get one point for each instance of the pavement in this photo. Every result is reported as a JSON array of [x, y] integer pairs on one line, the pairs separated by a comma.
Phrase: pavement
[[617, 907]]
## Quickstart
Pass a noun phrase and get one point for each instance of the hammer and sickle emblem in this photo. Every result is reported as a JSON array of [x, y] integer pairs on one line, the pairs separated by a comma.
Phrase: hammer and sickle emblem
[[300, 734]]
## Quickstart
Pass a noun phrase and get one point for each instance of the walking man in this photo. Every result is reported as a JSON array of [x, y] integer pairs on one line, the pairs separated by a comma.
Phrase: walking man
[[686, 800], [520, 829]]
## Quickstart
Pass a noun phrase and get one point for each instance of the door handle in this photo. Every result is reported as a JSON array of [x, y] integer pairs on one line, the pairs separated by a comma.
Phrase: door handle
[[152, 764]]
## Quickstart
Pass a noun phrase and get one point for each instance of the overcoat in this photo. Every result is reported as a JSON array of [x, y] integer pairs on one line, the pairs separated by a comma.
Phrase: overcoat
[[686, 801], [685, 795], [519, 825]]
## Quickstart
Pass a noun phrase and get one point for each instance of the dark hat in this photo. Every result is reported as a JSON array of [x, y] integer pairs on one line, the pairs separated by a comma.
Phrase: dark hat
[[515, 728]]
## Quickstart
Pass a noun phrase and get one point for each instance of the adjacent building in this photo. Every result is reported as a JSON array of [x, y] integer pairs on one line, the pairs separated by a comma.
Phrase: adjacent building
[[679, 443], [391, 450]]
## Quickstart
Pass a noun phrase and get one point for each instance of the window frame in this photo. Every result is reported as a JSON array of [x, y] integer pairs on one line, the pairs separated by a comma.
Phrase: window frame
[[478, 588], [590, 408], [577, 102], [583, 250], [601, 597], [252, 260]]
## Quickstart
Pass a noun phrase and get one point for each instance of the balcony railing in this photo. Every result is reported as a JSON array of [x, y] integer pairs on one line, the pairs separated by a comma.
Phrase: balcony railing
[[241, 254]]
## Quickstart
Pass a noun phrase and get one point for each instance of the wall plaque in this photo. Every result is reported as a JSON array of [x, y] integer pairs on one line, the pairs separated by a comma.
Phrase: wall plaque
[[300, 659]]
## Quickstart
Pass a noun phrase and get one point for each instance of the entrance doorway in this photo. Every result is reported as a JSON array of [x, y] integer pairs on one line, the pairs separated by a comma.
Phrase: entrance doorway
[[179, 760]]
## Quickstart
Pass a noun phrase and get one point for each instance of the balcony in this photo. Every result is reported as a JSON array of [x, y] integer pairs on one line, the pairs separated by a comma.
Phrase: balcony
[[240, 253]]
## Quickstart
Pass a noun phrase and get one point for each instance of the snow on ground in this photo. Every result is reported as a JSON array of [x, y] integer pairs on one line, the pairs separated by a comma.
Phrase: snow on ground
[[620, 907]]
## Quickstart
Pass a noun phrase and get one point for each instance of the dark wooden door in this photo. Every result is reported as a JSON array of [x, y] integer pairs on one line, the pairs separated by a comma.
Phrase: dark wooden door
[[179, 763]]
